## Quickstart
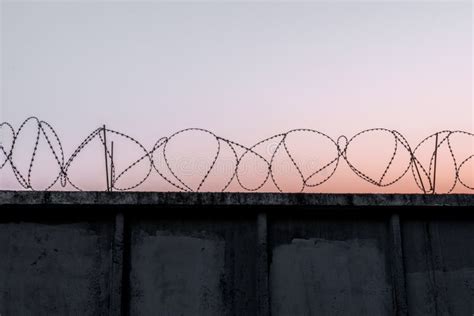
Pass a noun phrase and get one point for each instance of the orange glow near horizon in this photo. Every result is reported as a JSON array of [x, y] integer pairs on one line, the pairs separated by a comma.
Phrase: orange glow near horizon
[[190, 154], [245, 71]]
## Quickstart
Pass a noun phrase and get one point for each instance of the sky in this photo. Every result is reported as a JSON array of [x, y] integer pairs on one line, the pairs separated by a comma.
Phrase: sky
[[245, 71]]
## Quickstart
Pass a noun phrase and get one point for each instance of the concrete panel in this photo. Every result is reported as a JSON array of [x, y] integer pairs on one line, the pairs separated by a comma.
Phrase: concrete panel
[[178, 275], [183, 267], [439, 266], [328, 278], [54, 269], [324, 268]]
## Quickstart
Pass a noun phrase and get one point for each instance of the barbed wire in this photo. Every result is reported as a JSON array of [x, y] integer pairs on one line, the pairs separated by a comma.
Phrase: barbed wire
[[424, 176]]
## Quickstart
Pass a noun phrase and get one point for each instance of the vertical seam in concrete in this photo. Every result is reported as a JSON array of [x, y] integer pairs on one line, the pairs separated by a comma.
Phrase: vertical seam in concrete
[[262, 290], [430, 266], [437, 271], [397, 266], [116, 277]]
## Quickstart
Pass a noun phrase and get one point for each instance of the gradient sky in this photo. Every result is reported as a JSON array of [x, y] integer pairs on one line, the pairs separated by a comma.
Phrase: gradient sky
[[245, 70]]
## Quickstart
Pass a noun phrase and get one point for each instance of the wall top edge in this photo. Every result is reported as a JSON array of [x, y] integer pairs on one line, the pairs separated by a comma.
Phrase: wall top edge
[[227, 198]]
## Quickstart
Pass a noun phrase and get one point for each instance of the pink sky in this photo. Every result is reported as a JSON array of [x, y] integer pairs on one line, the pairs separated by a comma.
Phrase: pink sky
[[245, 71]]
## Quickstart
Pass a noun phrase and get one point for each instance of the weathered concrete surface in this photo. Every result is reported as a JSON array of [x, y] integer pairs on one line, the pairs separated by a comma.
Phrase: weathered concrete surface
[[439, 261], [96, 253], [329, 278], [177, 275], [229, 199], [329, 266], [198, 267], [59, 269]]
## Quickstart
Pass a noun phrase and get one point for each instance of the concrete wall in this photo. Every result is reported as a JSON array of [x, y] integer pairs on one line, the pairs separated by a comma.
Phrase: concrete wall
[[97, 253]]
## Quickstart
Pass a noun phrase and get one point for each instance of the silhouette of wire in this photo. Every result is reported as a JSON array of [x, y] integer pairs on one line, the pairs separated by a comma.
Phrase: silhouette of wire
[[423, 175]]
